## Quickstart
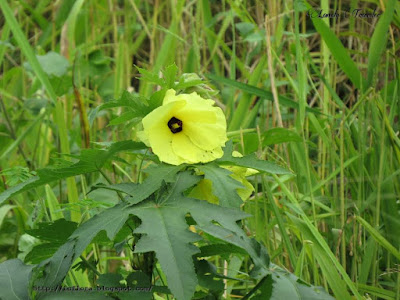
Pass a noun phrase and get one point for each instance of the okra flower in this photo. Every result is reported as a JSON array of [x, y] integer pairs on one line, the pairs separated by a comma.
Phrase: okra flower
[[185, 129]]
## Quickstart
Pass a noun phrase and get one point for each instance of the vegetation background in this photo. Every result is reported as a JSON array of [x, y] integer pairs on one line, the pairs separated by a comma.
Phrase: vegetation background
[[318, 96]]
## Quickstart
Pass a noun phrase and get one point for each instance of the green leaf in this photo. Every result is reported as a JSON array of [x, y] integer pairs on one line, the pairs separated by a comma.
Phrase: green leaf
[[52, 63], [61, 85], [136, 107], [235, 236], [138, 192], [110, 280], [208, 276], [151, 77], [57, 231], [251, 142], [14, 279], [280, 284], [4, 210], [133, 102], [41, 252], [219, 249], [138, 280], [137, 295], [167, 235], [280, 135], [51, 272], [90, 160], [165, 232], [379, 238], [223, 185], [170, 74]]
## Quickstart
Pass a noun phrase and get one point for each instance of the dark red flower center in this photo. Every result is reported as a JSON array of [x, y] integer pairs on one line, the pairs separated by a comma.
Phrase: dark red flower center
[[175, 125]]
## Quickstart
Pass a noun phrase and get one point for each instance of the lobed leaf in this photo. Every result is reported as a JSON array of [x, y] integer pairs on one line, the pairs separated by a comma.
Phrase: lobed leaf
[[139, 192], [164, 230], [14, 278], [280, 284], [223, 185]]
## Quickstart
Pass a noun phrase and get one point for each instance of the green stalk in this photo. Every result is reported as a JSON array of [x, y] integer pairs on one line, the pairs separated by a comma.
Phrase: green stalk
[[343, 213], [72, 191]]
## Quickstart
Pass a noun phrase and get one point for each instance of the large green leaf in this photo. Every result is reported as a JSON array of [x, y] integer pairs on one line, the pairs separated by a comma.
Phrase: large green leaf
[[164, 230], [90, 160], [51, 273], [166, 233], [223, 185], [57, 231], [14, 278], [234, 235], [138, 192], [280, 284], [163, 222]]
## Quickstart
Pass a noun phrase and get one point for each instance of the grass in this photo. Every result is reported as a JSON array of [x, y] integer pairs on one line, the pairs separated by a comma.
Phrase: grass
[[332, 82]]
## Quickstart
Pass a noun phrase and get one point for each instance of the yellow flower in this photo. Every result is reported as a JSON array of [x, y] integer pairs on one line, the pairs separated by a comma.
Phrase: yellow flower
[[185, 129]]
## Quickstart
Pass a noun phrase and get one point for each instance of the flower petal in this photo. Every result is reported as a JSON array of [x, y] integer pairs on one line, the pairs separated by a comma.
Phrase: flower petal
[[161, 144], [205, 136], [161, 115], [159, 136], [143, 137], [187, 151]]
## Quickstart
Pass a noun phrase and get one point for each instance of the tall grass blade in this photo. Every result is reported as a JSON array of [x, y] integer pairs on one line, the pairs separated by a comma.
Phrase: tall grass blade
[[379, 39], [338, 51]]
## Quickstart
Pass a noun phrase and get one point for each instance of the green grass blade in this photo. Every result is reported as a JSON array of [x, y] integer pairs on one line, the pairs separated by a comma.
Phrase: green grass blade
[[52, 204], [379, 238], [5, 33], [21, 137], [338, 51], [378, 40], [327, 257], [257, 92]]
